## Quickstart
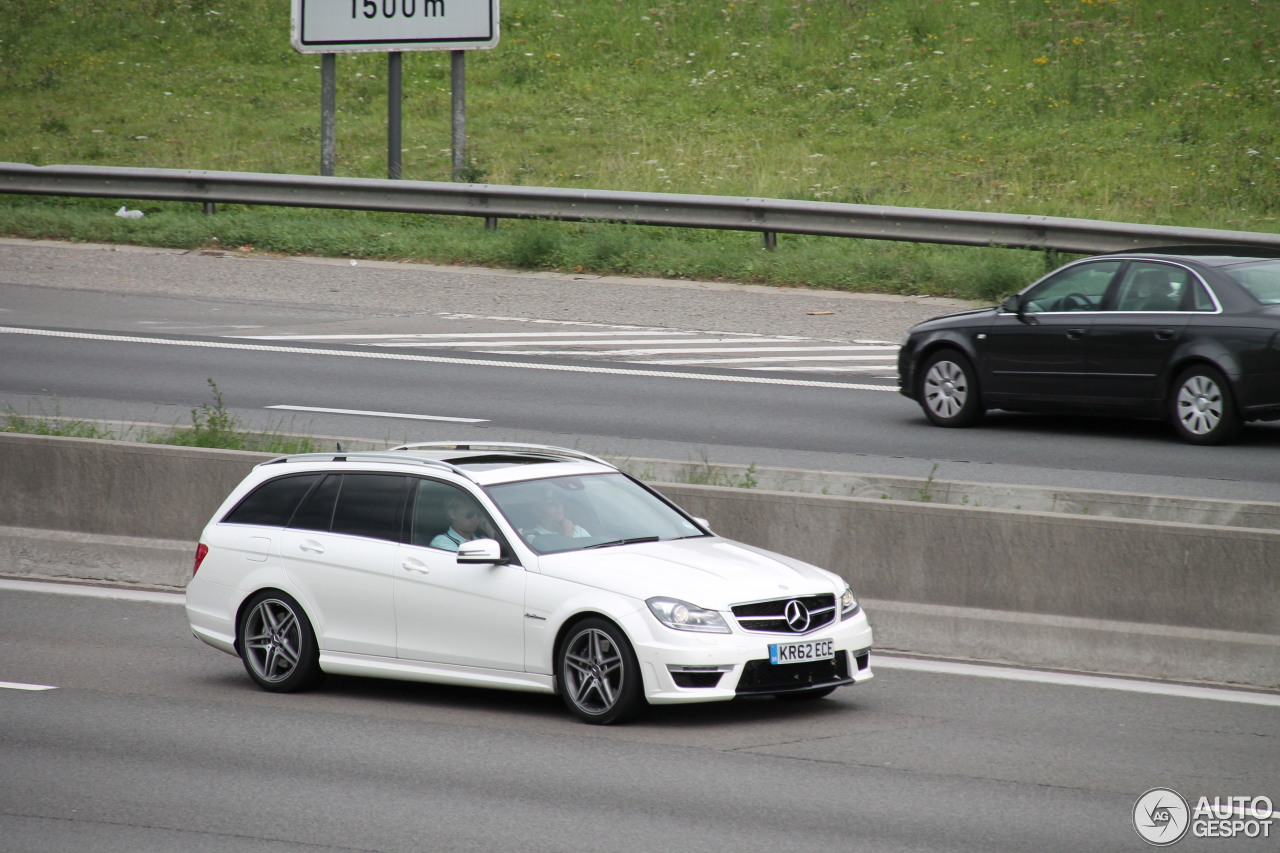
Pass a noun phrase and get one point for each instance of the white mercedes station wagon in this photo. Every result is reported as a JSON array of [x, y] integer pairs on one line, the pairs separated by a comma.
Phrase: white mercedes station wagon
[[512, 566]]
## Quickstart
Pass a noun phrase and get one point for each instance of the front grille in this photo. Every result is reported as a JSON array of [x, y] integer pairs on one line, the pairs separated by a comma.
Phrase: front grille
[[771, 617], [760, 676]]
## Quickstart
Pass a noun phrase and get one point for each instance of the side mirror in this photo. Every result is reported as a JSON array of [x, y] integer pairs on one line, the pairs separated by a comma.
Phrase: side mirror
[[480, 552], [1013, 305], [702, 522]]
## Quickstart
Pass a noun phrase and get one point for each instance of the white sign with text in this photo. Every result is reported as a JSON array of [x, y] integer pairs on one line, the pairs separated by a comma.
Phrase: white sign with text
[[385, 26]]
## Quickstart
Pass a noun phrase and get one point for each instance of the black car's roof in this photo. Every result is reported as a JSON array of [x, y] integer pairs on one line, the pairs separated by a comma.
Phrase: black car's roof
[[1208, 254]]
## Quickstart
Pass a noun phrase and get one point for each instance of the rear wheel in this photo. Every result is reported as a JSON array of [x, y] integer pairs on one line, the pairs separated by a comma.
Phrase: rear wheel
[[949, 390], [278, 645], [598, 673], [1202, 407]]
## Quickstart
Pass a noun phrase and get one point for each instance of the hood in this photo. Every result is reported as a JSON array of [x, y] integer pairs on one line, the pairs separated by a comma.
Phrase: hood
[[960, 318], [709, 572]]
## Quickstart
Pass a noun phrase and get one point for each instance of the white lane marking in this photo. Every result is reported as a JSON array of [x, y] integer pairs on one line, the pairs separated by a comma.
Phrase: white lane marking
[[436, 359], [409, 342], [425, 336], [879, 660], [708, 349], [13, 685], [1066, 679], [381, 414], [108, 592]]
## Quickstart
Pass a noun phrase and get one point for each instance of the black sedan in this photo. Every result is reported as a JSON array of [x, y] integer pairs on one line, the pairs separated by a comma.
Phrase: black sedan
[[1190, 335]]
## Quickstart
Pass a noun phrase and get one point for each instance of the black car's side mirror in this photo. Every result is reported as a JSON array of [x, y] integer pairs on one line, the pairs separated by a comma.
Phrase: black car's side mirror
[[1013, 305]]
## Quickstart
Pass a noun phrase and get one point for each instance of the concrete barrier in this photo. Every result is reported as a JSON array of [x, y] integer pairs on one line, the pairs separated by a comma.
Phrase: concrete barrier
[[1149, 598]]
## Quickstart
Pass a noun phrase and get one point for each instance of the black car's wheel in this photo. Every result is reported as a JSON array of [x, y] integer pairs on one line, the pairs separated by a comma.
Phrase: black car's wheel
[[278, 645], [598, 673], [1202, 407], [949, 390]]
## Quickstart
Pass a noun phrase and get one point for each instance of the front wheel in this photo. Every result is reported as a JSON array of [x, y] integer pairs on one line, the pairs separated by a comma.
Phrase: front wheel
[[949, 390], [598, 673], [1202, 408], [278, 645]]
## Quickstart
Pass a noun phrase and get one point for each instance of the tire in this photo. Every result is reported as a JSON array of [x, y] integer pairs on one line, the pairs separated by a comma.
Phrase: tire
[[277, 644], [948, 390], [597, 672], [1202, 407]]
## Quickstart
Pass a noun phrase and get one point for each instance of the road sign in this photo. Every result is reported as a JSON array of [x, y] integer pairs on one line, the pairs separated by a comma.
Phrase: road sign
[[389, 26]]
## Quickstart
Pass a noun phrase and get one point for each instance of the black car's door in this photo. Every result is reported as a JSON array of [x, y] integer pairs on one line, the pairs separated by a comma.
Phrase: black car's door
[[1039, 354], [1130, 344]]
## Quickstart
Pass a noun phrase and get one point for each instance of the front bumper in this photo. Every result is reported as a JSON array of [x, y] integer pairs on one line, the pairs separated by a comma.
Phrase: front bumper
[[680, 667]]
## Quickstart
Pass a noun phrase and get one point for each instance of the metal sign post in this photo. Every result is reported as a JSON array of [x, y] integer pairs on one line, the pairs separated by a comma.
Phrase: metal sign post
[[329, 27]]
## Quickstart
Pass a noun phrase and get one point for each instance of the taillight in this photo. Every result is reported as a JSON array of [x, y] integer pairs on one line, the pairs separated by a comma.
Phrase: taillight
[[201, 551]]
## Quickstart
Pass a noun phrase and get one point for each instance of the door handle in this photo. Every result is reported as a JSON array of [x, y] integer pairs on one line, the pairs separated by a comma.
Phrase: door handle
[[1075, 334], [415, 567], [1165, 334], [311, 547]]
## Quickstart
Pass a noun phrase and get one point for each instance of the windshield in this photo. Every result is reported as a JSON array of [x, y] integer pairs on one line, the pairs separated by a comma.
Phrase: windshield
[[595, 511], [1261, 278]]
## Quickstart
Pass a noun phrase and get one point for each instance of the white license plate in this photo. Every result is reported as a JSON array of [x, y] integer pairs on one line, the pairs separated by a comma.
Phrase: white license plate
[[802, 652]]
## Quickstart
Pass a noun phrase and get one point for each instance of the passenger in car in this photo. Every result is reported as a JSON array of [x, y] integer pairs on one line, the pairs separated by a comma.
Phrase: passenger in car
[[465, 519], [549, 517]]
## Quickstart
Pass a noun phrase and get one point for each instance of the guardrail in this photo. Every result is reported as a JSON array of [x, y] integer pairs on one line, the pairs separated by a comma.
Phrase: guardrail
[[729, 213]]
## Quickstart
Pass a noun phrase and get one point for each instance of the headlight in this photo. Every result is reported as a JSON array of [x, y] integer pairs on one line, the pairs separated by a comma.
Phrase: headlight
[[683, 616], [848, 604]]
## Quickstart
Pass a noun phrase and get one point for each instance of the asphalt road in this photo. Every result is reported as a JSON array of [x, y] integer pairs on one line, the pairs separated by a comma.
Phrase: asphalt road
[[151, 741], [426, 353]]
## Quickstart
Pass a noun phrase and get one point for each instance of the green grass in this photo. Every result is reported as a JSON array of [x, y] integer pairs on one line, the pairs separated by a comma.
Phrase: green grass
[[212, 425], [1125, 110]]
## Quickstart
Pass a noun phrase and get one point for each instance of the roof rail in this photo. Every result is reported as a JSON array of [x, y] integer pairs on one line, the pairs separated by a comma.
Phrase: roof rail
[[369, 456], [538, 449]]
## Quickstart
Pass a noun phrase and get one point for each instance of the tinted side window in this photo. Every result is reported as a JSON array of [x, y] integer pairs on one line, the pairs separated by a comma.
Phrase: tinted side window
[[371, 505], [1148, 286], [1077, 288], [316, 511], [273, 502], [431, 520]]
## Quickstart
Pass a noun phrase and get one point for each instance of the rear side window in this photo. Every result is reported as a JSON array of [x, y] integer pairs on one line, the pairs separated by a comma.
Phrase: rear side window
[[272, 503], [371, 505], [316, 512]]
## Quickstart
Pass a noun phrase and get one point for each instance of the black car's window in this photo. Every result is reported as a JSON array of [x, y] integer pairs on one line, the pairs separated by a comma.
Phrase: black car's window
[[435, 505], [1148, 286], [1202, 299], [316, 512], [1260, 278], [371, 505], [273, 502], [1077, 288]]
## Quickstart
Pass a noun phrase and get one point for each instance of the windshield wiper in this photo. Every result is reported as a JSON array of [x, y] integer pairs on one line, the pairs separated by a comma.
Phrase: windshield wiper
[[631, 541]]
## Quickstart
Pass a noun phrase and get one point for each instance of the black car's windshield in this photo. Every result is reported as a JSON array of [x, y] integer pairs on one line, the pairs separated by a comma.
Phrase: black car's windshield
[[1261, 278], [599, 510]]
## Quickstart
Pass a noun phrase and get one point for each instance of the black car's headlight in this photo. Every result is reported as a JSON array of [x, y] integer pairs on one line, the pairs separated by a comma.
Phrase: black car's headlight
[[848, 604], [683, 616]]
